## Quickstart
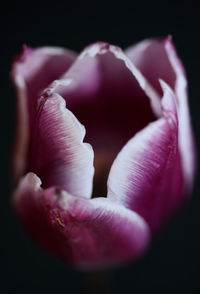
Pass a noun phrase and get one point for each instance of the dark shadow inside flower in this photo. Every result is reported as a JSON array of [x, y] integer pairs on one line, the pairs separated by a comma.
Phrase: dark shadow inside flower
[[107, 99]]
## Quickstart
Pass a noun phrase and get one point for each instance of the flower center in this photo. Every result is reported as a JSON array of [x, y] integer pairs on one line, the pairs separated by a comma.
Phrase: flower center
[[111, 118]]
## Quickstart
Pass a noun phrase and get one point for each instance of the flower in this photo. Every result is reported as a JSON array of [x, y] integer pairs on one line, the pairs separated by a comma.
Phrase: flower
[[132, 108]]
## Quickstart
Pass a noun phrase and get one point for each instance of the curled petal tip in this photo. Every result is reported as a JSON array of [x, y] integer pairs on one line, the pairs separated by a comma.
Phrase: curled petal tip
[[21, 56]]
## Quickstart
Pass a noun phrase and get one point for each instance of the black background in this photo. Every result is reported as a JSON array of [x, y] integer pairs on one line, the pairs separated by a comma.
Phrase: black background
[[172, 263]]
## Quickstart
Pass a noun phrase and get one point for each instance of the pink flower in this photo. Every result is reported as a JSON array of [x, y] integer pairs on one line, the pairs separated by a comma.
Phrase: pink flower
[[132, 108]]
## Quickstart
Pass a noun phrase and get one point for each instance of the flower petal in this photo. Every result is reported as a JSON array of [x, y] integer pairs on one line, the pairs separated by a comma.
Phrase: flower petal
[[146, 175], [59, 155], [157, 59], [32, 71], [106, 93], [150, 57], [37, 68], [88, 233]]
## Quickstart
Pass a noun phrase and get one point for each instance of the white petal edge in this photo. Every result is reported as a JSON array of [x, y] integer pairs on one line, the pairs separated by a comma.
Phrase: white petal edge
[[100, 48], [186, 138], [77, 156]]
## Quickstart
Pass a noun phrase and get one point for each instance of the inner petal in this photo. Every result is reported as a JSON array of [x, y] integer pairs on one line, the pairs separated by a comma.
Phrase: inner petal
[[112, 111]]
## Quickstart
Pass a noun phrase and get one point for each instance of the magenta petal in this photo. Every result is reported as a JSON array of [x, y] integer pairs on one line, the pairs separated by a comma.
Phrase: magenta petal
[[146, 175], [32, 71], [59, 155], [157, 59], [88, 233]]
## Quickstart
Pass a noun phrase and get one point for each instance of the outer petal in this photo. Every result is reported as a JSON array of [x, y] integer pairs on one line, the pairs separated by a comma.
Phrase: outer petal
[[146, 175], [157, 59], [88, 233], [59, 155], [32, 71], [186, 139]]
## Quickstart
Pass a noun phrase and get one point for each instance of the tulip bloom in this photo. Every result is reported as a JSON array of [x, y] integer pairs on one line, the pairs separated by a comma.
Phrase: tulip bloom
[[121, 114]]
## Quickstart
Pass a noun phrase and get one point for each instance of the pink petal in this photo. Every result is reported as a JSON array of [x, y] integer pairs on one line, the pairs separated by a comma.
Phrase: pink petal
[[88, 233], [146, 175], [32, 71], [35, 69], [106, 93], [157, 59], [59, 155], [150, 57]]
